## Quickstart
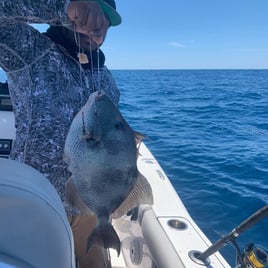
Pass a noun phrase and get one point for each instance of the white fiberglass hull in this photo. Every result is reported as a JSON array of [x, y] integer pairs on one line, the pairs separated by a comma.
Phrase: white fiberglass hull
[[151, 241]]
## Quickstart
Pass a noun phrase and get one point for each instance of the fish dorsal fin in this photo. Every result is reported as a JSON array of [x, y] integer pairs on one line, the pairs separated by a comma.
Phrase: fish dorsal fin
[[74, 199], [140, 194]]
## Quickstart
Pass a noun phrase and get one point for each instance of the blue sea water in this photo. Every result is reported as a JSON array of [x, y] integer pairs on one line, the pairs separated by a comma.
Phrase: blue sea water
[[208, 130]]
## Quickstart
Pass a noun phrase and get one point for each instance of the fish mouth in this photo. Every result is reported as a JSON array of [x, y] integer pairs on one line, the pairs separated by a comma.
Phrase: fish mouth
[[94, 143], [89, 137]]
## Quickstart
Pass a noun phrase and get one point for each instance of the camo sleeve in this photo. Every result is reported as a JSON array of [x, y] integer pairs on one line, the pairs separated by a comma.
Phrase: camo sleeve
[[20, 44], [33, 11]]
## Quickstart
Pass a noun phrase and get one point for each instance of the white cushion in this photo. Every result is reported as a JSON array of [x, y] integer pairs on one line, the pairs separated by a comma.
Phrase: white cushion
[[34, 228]]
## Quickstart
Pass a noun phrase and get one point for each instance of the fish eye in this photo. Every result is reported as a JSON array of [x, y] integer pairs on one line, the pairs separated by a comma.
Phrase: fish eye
[[119, 125]]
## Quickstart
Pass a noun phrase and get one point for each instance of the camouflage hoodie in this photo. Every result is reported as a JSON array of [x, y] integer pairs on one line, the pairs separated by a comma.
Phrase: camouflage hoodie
[[47, 85]]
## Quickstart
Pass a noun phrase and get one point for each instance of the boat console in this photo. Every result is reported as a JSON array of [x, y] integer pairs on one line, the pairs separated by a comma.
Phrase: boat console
[[7, 124]]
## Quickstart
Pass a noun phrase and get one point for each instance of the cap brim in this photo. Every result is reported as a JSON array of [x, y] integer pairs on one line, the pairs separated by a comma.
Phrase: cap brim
[[111, 13]]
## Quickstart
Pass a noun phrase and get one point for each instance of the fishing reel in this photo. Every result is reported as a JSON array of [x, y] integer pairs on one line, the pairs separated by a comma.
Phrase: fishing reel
[[253, 257]]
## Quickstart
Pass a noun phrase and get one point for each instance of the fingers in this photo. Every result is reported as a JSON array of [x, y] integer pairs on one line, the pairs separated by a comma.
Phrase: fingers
[[88, 19]]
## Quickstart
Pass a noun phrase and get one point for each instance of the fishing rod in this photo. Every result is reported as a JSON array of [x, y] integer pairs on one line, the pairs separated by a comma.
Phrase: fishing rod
[[255, 257]]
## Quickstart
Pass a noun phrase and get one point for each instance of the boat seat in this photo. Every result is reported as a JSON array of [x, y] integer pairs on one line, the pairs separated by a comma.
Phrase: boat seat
[[34, 229]]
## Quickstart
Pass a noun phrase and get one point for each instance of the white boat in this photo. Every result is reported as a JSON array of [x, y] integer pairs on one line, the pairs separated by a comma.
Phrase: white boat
[[164, 235], [34, 230]]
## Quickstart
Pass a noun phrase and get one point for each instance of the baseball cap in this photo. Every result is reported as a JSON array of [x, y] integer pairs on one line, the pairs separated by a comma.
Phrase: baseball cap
[[109, 9]]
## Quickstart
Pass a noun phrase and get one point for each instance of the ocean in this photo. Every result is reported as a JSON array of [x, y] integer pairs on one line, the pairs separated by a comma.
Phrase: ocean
[[208, 129]]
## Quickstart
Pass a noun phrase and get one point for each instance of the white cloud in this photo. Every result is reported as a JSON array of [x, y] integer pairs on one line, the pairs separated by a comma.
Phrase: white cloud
[[176, 44]]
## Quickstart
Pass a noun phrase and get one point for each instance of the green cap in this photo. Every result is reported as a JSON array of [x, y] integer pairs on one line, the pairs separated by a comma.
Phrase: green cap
[[108, 7]]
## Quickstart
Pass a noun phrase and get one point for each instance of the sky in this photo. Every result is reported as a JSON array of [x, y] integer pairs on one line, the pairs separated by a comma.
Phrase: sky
[[189, 34]]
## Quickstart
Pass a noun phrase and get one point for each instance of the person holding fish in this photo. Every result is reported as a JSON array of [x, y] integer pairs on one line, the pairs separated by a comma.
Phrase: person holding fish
[[50, 77]]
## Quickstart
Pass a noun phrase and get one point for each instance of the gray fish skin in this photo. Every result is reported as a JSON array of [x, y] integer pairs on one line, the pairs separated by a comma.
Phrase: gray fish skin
[[101, 154]]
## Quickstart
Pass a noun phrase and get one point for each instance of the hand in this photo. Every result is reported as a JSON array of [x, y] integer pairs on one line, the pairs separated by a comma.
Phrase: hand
[[88, 19]]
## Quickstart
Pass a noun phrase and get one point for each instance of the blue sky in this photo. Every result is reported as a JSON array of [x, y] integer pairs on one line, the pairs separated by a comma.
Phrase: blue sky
[[187, 34]]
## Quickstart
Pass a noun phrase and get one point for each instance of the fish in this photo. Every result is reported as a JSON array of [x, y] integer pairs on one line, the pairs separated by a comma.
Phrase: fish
[[101, 151]]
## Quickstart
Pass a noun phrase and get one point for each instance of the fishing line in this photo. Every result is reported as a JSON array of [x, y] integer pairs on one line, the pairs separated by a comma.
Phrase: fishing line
[[80, 52], [98, 67], [92, 72], [83, 124], [91, 66], [83, 59], [96, 85]]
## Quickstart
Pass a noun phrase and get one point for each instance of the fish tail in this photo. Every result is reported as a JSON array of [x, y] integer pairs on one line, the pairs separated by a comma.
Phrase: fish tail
[[104, 236]]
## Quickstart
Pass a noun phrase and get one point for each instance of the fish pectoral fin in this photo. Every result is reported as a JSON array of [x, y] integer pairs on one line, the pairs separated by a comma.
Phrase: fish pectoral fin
[[74, 199], [140, 194], [104, 236]]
